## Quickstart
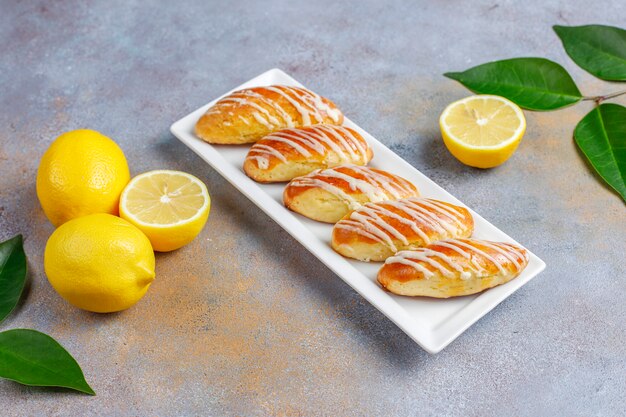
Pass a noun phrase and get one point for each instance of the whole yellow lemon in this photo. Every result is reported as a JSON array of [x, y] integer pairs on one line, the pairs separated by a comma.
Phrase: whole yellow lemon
[[82, 172], [99, 263]]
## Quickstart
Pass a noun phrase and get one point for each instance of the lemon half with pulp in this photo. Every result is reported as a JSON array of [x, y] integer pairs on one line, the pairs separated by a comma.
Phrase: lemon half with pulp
[[482, 131], [170, 207]]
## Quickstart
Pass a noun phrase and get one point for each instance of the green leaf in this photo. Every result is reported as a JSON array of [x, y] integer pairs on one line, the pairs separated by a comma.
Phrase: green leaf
[[12, 274], [532, 83], [601, 136], [599, 50], [33, 358]]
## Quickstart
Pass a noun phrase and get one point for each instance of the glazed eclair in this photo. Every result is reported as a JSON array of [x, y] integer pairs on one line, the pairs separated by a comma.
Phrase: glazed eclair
[[377, 231], [246, 116], [451, 268], [289, 153], [328, 195]]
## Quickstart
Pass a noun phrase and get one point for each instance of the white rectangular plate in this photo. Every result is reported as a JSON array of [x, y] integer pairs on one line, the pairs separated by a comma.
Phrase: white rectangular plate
[[432, 323]]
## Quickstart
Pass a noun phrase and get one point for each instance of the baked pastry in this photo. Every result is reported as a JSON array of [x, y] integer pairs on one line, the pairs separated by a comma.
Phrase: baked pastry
[[328, 195], [245, 116], [290, 153], [452, 268], [377, 231]]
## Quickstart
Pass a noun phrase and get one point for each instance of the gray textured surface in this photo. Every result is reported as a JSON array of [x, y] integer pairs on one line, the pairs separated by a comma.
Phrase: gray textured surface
[[244, 321]]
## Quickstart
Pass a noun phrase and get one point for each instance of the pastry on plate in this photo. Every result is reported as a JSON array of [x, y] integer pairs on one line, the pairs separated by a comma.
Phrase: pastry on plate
[[245, 116], [289, 153], [376, 231], [328, 195], [451, 268]]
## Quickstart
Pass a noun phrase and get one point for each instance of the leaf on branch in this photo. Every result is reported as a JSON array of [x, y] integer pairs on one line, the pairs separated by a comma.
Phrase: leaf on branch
[[12, 274], [532, 83], [601, 136], [599, 50], [34, 358]]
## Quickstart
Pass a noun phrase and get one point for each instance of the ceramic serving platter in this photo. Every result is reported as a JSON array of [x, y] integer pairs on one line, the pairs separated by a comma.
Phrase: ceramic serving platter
[[432, 323]]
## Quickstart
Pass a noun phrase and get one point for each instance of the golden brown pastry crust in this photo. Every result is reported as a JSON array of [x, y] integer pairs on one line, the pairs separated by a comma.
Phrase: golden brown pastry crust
[[452, 268], [328, 195], [246, 116], [376, 231], [289, 153]]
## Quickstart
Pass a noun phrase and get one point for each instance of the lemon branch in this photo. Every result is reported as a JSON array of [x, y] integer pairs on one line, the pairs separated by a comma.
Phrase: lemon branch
[[600, 99]]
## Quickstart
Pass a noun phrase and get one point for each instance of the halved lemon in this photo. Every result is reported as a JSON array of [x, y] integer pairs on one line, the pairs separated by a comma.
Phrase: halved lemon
[[482, 131], [170, 207]]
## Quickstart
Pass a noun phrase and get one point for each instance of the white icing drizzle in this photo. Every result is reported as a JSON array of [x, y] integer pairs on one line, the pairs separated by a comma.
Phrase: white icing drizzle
[[420, 214], [461, 252], [423, 258], [412, 223], [264, 149], [445, 209], [375, 185], [427, 255], [505, 252], [272, 113], [370, 218], [290, 140], [402, 258], [431, 212], [420, 258], [261, 162], [345, 145], [320, 135], [337, 191], [373, 219], [369, 231], [518, 251], [319, 139], [262, 116], [305, 109], [467, 244], [317, 103], [273, 104], [307, 103], [262, 120]]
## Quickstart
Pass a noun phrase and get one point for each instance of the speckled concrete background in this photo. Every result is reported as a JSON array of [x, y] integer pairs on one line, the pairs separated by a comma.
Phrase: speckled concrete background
[[244, 321]]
